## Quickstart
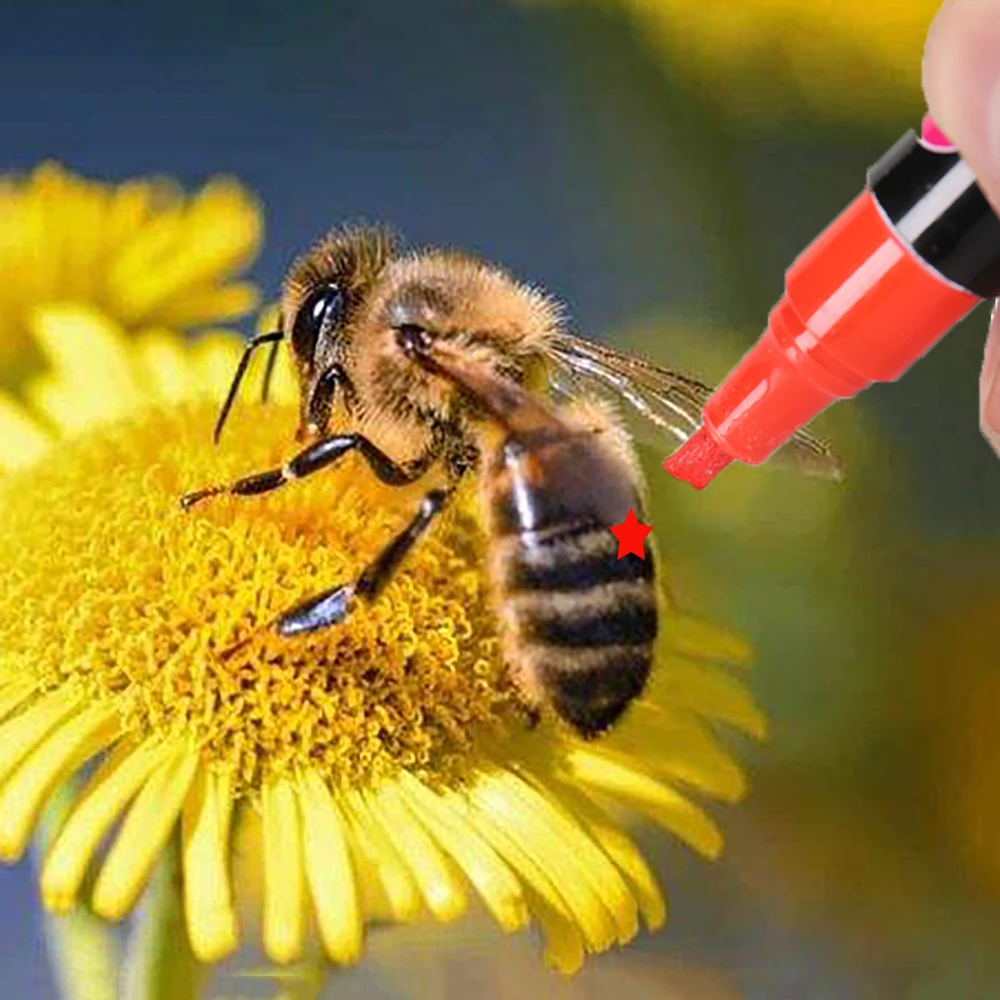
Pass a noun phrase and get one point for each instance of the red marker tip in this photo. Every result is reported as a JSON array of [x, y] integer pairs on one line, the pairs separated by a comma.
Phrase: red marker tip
[[699, 460]]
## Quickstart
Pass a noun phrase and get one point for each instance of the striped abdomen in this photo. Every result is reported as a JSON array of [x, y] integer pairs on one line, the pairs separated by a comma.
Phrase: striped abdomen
[[579, 622]]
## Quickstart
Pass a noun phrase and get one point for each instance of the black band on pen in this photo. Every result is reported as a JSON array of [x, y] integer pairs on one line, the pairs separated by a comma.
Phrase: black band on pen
[[935, 205]]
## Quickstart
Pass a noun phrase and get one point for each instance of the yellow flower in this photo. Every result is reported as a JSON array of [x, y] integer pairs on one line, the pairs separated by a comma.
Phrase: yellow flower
[[847, 58], [140, 251], [389, 762]]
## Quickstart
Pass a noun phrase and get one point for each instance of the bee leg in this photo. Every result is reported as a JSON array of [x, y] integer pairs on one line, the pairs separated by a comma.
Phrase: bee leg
[[318, 455], [332, 606]]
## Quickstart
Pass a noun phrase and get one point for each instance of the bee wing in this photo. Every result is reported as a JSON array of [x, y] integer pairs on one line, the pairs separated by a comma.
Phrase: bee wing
[[664, 399]]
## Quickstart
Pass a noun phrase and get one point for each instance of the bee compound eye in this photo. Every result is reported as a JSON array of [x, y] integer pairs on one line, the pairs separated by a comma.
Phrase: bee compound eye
[[322, 310]]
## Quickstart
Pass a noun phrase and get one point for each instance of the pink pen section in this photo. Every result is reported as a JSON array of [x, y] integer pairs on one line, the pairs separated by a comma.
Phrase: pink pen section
[[933, 137]]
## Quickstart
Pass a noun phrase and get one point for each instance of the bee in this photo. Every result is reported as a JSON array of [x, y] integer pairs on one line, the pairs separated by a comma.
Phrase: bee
[[438, 360]]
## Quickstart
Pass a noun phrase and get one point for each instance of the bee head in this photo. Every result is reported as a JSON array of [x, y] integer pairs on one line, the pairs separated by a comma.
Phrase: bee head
[[323, 293]]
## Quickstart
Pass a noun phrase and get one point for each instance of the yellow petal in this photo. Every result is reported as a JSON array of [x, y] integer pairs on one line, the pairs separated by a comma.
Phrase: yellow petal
[[24, 732], [208, 897], [213, 358], [107, 794], [330, 871], [284, 899], [130, 204], [376, 906], [584, 861], [600, 870], [550, 871], [75, 740], [89, 357], [22, 440], [712, 692], [378, 859], [564, 950], [687, 636], [16, 690], [626, 856], [674, 743], [210, 302], [496, 884], [164, 366], [656, 800], [441, 890], [145, 831], [181, 251], [56, 402]]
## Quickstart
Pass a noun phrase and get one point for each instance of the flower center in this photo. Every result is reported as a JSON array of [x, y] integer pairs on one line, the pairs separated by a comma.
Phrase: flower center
[[109, 584]]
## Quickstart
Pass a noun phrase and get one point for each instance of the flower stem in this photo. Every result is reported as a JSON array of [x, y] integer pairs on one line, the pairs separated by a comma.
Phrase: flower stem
[[315, 974], [81, 947], [306, 980], [82, 954], [159, 964]]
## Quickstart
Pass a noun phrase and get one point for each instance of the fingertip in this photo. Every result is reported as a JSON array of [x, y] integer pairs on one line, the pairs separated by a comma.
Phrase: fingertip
[[961, 74]]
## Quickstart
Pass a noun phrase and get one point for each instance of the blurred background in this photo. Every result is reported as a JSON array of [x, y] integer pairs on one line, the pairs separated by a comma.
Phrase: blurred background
[[656, 164]]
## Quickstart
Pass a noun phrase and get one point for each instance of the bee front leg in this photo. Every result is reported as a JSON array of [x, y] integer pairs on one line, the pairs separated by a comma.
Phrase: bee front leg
[[332, 606], [317, 456]]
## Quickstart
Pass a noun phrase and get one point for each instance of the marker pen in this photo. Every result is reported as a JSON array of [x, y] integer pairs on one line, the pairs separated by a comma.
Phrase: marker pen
[[913, 254]]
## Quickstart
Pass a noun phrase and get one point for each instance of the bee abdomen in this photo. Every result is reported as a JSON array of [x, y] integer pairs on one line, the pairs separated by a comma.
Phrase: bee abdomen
[[591, 689], [585, 621], [576, 558], [608, 614]]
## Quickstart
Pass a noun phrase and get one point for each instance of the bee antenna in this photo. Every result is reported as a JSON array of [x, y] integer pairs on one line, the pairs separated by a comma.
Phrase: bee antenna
[[241, 369], [272, 358]]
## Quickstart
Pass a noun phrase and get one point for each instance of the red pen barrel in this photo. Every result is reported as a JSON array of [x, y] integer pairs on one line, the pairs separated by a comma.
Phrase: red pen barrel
[[913, 254], [859, 307]]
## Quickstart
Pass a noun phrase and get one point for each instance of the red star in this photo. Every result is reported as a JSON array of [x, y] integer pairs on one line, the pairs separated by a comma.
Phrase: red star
[[630, 534]]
